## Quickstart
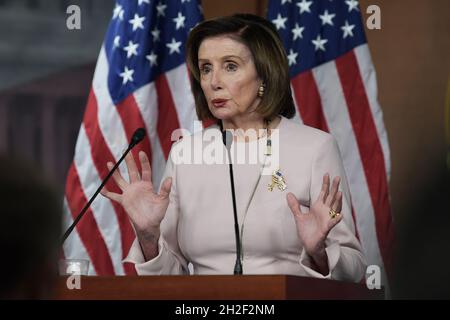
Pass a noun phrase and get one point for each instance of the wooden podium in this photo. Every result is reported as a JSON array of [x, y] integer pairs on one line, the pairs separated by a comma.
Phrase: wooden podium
[[208, 287]]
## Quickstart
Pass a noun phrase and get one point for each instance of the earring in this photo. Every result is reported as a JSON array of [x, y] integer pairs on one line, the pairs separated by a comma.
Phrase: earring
[[261, 90]]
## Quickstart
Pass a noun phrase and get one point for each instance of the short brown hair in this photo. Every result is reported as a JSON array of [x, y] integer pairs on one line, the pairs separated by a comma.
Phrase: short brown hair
[[263, 41]]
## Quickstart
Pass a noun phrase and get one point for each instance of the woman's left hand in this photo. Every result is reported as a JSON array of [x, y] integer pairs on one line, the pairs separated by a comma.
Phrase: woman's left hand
[[313, 226]]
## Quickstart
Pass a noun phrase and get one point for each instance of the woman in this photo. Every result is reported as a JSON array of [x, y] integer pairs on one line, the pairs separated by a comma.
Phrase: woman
[[290, 221]]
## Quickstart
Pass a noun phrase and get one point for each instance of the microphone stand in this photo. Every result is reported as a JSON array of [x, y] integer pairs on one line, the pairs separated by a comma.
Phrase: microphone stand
[[138, 135], [238, 265]]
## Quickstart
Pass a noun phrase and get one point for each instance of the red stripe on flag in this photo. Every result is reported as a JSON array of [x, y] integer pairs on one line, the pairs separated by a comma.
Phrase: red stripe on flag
[[167, 114], [101, 154], [308, 100], [132, 120], [87, 228], [370, 150], [131, 117]]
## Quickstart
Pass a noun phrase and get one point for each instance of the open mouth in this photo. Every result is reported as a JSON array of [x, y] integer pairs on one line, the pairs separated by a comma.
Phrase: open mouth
[[218, 103]]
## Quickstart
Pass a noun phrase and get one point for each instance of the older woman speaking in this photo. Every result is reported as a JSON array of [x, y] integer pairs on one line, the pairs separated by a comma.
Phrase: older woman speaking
[[293, 221]]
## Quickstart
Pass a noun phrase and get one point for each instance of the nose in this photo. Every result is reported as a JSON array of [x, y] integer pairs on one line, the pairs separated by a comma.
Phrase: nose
[[216, 80]]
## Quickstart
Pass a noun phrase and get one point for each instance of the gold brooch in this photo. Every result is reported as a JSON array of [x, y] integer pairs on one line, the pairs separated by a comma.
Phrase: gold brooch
[[277, 180]]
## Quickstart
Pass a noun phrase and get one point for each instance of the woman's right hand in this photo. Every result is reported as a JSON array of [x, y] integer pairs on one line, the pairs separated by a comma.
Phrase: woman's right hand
[[144, 206]]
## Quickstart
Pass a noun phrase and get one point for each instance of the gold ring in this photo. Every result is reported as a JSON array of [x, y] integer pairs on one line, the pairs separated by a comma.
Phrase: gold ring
[[333, 214]]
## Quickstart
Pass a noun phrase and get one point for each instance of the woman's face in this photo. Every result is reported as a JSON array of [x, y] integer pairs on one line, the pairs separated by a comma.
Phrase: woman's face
[[228, 77]]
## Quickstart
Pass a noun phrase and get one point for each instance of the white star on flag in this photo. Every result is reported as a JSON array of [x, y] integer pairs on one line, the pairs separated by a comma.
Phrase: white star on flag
[[155, 34], [298, 32], [179, 21], [284, 1], [127, 75], [152, 58], [352, 4], [327, 18], [143, 1], [292, 57], [279, 22], [118, 12], [137, 22], [116, 41], [348, 29], [174, 46], [304, 6], [131, 49], [160, 8], [319, 43]]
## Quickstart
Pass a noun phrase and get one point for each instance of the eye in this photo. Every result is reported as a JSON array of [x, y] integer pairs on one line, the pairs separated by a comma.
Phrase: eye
[[231, 67], [205, 68]]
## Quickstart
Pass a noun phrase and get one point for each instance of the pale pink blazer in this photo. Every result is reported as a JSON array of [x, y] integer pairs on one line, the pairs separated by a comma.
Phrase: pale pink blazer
[[199, 228]]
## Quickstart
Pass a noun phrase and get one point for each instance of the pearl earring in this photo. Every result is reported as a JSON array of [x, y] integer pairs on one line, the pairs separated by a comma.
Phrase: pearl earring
[[261, 90]]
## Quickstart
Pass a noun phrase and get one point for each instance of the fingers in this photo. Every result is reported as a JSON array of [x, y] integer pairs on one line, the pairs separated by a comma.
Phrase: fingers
[[337, 207], [334, 189], [337, 204], [325, 187], [133, 171], [293, 204], [165, 188], [120, 181], [111, 195], [146, 168]]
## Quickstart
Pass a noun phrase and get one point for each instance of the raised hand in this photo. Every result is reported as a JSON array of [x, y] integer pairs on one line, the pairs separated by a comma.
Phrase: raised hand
[[313, 226], [144, 206]]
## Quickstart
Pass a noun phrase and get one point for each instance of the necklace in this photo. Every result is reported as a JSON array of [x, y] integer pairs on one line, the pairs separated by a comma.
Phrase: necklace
[[269, 140]]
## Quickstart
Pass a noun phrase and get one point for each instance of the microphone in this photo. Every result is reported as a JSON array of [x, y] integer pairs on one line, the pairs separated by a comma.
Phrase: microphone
[[226, 139], [137, 137]]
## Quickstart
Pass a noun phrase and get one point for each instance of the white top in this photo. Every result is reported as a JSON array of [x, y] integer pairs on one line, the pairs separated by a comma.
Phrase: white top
[[199, 224]]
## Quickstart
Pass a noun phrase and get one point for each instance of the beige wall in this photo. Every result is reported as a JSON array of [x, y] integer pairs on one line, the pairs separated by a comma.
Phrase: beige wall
[[215, 8], [411, 54]]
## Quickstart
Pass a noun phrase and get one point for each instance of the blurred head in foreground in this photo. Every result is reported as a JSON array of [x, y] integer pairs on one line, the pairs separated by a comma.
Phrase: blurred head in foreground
[[422, 252], [29, 232]]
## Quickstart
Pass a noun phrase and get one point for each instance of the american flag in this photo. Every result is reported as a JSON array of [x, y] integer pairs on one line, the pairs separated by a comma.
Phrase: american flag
[[334, 87], [141, 80]]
